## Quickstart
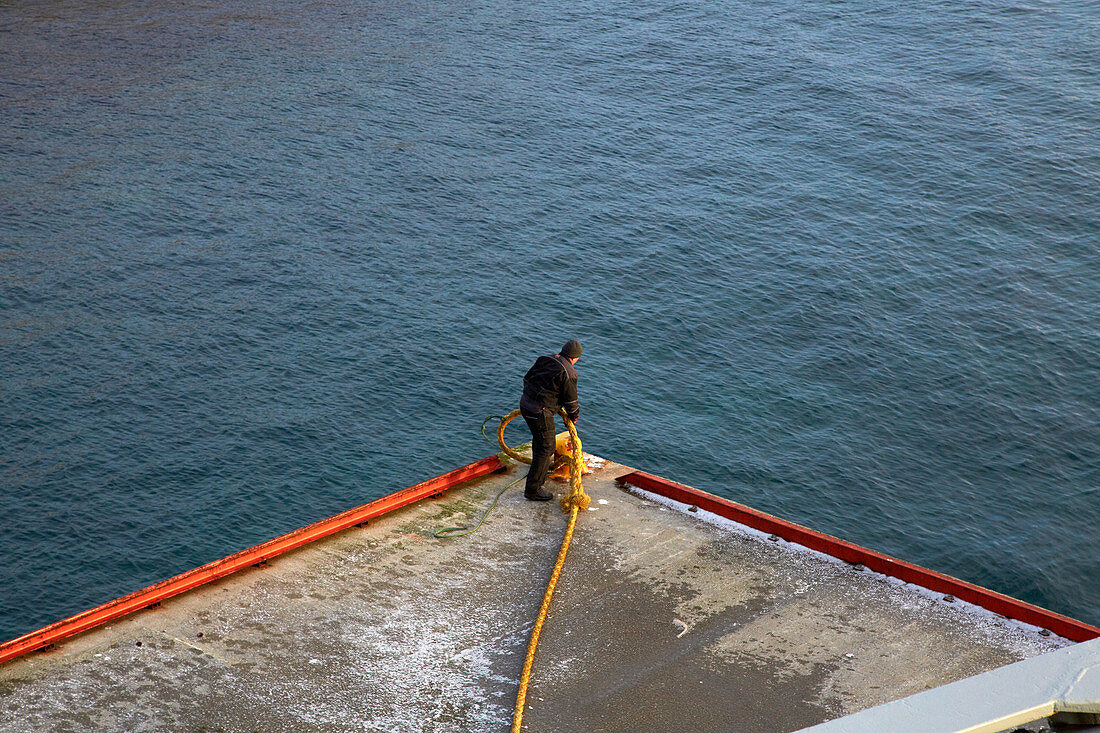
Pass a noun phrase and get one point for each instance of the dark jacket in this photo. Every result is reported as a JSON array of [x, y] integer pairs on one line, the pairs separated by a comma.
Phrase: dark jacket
[[551, 383]]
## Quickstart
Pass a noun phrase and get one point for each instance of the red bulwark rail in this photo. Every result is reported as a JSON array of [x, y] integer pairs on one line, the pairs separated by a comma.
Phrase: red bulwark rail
[[997, 602], [227, 565]]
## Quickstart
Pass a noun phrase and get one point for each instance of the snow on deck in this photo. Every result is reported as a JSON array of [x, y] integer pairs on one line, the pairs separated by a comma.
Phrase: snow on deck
[[663, 619]]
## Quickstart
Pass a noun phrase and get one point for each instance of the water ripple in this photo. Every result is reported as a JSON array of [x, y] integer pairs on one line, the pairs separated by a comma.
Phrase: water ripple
[[258, 265]]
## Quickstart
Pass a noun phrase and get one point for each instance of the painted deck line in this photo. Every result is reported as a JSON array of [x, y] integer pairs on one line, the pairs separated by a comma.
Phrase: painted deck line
[[217, 569], [990, 600]]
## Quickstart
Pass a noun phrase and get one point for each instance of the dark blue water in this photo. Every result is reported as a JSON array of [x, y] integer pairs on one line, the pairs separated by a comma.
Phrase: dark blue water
[[264, 261]]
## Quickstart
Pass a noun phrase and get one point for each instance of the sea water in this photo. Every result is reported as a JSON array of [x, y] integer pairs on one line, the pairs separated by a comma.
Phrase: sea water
[[264, 261]]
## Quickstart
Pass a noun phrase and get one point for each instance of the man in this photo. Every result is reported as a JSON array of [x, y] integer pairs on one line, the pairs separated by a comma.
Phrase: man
[[551, 383]]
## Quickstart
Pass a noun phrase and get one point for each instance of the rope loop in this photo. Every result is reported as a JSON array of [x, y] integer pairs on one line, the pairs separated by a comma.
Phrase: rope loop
[[500, 437], [576, 497]]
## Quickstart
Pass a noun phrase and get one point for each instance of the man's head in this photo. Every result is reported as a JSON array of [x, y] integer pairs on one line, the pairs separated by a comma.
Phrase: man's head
[[571, 350]]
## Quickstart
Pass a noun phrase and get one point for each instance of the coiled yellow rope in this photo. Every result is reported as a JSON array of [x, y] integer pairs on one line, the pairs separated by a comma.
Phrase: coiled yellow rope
[[576, 500]]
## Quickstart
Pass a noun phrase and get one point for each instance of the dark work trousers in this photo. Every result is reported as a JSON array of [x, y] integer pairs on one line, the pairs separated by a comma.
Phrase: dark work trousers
[[542, 449]]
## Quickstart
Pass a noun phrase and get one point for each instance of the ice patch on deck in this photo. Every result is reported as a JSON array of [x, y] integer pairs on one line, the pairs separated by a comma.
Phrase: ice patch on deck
[[1027, 639], [594, 463]]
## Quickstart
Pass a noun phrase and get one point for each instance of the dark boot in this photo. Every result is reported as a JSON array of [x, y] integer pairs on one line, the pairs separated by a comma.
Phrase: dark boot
[[538, 495]]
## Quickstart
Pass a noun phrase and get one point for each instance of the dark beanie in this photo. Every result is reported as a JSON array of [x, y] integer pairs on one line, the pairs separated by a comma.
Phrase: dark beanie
[[571, 350]]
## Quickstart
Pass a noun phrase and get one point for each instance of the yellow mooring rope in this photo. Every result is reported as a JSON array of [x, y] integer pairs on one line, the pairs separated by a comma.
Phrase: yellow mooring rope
[[576, 500]]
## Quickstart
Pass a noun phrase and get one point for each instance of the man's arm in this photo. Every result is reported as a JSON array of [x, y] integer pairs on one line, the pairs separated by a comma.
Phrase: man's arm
[[569, 400]]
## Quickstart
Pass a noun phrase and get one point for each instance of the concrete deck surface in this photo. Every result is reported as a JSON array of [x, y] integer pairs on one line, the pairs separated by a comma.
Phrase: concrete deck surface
[[385, 628]]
